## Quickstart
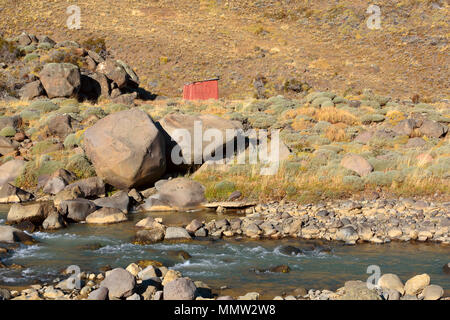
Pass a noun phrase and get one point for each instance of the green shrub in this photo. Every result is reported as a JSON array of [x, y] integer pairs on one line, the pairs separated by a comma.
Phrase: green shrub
[[379, 178], [72, 141], [27, 179], [45, 46], [69, 109], [42, 147], [99, 112], [262, 120], [29, 115], [116, 107], [31, 56], [373, 117], [80, 166], [43, 106], [8, 132], [225, 186], [355, 182]]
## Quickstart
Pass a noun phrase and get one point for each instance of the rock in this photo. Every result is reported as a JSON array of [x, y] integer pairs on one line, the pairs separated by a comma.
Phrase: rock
[[78, 209], [252, 230], [225, 298], [176, 233], [446, 268], [24, 39], [433, 129], [391, 281], [99, 294], [133, 193], [250, 296], [134, 296], [10, 170], [106, 216], [405, 127], [10, 234], [60, 126], [90, 187], [357, 163], [183, 130], [424, 159], [31, 90], [416, 284], [60, 79], [202, 232], [5, 294], [432, 292], [54, 185], [171, 275], [234, 196], [119, 282], [7, 145], [280, 269], [114, 71], [34, 213], [52, 293], [182, 193], [147, 273], [357, 290], [68, 284], [53, 222], [180, 289], [149, 223], [118, 200], [126, 148], [347, 234], [290, 250], [415, 143], [126, 99], [13, 121], [193, 226], [149, 292], [300, 292]]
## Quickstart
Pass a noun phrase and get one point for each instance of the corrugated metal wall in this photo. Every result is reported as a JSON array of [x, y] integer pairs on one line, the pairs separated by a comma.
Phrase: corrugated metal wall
[[203, 90]]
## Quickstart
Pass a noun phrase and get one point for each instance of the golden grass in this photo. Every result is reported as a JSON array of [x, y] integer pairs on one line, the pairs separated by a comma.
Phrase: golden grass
[[336, 132]]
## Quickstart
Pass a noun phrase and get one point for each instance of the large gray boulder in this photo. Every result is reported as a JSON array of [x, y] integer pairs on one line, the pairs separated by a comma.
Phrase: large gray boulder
[[10, 234], [118, 200], [433, 129], [114, 71], [181, 133], [34, 213], [176, 233], [53, 222], [106, 216], [77, 209], [357, 163], [89, 187], [180, 289], [13, 121], [182, 193], [7, 145], [99, 294], [60, 79], [12, 194], [119, 282], [127, 149], [391, 281], [11, 170], [31, 90]]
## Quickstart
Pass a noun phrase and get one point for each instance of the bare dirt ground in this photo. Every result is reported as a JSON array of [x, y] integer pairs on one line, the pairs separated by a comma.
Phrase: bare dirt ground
[[325, 43]]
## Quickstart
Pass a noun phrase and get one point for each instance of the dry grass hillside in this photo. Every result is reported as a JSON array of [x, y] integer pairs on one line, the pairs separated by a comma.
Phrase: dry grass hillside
[[325, 43]]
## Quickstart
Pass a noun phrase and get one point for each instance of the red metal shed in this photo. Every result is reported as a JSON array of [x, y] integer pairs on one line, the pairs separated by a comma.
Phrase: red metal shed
[[201, 90]]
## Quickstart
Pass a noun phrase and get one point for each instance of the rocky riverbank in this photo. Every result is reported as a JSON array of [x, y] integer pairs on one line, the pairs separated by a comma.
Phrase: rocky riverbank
[[150, 280]]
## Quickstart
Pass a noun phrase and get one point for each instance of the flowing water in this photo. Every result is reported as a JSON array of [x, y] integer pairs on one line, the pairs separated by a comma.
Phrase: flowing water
[[221, 263]]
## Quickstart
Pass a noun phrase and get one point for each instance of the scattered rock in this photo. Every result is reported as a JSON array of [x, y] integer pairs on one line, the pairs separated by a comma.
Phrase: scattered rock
[[118, 200], [180, 289], [176, 233], [432, 292], [416, 284], [106, 216], [357, 163], [10, 234], [119, 282], [60, 79], [391, 281], [182, 193]]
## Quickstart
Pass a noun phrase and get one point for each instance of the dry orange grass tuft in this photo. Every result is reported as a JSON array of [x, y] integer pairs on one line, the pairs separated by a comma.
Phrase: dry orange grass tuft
[[330, 114], [336, 132]]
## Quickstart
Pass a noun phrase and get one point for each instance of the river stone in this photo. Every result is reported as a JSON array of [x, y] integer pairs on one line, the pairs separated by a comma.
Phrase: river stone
[[54, 185], [347, 234], [12, 194], [77, 209], [147, 273], [176, 233], [290, 250], [5, 294], [250, 296], [149, 236], [391, 281], [106, 216], [446, 268], [118, 200], [180, 289], [34, 213], [10, 234], [416, 284], [175, 125], [126, 149], [60, 79], [182, 193], [119, 282], [432, 292], [170, 275], [194, 225], [89, 187], [99, 294], [357, 164], [11, 170], [357, 290], [53, 222]]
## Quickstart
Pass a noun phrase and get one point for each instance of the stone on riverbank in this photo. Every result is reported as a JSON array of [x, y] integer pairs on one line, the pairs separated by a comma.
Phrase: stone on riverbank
[[106, 216], [34, 213], [182, 193], [391, 281], [118, 200], [99, 294], [53, 222], [10, 234], [176, 233], [180, 289], [357, 290], [77, 209], [119, 282], [11, 170], [126, 149], [12, 194], [416, 284], [89, 187], [432, 292]]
